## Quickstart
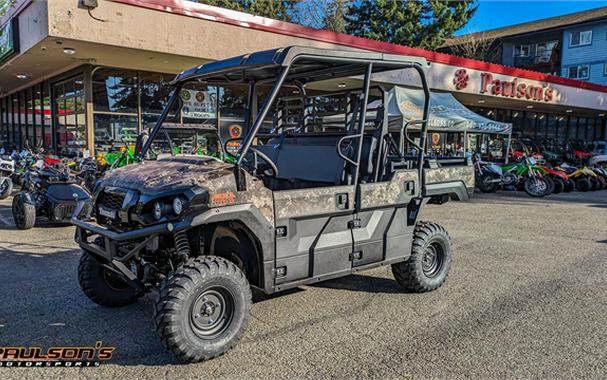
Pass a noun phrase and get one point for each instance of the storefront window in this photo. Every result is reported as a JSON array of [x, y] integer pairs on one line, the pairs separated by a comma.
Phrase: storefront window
[[155, 92], [70, 117], [552, 126], [572, 128], [113, 131], [517, 122], [589, 129], [542, 121], [529, 124], [115, 90]]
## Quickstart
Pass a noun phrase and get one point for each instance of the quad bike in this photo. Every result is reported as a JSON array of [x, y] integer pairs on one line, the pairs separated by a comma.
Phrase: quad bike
[[50, 192], [204, 232], [7, 168], [585, 179]]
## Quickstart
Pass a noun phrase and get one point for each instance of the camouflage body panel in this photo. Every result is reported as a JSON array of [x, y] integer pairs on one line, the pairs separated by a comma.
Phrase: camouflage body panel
[[393, 192], [217, 177], [451, 174], [312, 201]]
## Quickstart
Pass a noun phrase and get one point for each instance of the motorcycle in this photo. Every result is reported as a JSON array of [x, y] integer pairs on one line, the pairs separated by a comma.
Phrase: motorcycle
[[7, 168], [528, 175], [48, 191]]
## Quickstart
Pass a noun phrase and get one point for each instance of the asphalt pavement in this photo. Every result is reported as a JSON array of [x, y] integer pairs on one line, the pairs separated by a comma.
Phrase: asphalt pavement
[[526, 298]]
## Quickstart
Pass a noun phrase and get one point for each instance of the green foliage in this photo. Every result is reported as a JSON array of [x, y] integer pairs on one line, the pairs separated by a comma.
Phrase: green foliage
[[276, 9], [5, 5], [424, 24]]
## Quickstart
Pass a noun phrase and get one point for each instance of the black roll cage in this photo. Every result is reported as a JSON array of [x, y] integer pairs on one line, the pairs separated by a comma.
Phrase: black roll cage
[[252, 130]]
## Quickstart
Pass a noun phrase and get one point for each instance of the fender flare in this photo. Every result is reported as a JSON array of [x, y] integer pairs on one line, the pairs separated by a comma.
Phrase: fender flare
[[259, 226]]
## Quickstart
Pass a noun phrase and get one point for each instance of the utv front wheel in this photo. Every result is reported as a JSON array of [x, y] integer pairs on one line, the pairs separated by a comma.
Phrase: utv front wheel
[[102, 286], [203, 309], [428, 266]]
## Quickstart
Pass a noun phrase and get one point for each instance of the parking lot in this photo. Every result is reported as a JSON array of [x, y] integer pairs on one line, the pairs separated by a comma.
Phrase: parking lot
[[526, 297]]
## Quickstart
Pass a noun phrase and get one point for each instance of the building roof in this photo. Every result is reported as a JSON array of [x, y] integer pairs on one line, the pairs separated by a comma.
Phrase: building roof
[[534, 26]]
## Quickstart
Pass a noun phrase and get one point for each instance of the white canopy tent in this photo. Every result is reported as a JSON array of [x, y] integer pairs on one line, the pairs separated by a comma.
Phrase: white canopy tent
[[446, 114]]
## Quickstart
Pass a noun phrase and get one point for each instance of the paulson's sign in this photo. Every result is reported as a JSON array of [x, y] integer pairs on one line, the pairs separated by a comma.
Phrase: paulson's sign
[[515, 89]]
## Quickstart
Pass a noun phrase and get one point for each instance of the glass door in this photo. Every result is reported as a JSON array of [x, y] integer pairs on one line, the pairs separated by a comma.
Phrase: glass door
[[70, 117]]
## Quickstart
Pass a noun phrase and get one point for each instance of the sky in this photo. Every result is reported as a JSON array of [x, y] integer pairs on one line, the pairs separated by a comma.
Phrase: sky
[[493, 14]]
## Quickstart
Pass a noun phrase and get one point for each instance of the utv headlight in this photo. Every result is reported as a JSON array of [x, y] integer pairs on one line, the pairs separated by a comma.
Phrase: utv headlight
[[158, 208], [178, 205]]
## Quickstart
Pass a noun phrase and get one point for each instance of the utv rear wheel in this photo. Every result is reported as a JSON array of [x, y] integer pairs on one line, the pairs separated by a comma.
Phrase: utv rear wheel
[[102, 286], [203, 309], [428, 266], [24, 213]]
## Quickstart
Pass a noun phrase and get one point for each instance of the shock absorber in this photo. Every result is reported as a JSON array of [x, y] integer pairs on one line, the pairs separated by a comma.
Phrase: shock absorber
[[182, 245]]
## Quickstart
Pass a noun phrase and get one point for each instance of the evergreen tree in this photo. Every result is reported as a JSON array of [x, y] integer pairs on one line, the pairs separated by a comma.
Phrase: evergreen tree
[[276, 9], [335, 16], [417, 23]]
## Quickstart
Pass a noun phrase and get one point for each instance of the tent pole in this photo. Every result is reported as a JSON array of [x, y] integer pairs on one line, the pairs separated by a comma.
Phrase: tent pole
[[508, 145]]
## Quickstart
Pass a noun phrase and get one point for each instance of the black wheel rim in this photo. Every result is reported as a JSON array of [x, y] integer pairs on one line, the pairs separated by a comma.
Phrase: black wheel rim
[[433, 259], [212, 312]]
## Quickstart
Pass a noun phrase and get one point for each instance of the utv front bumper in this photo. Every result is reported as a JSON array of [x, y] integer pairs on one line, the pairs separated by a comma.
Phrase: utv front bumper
[[110, 254]]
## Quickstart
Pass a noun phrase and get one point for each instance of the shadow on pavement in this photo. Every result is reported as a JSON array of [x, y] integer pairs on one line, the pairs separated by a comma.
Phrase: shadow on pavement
[[43, 306], [360, 283]]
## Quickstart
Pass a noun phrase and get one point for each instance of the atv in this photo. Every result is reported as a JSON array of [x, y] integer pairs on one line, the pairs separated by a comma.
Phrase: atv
[[310, 197]]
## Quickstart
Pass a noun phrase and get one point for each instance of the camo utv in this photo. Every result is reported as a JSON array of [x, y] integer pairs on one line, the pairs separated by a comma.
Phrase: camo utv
[[323, 185]]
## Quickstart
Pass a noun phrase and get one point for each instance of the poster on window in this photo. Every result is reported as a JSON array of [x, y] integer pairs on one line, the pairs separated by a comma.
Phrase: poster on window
[[198, 104]]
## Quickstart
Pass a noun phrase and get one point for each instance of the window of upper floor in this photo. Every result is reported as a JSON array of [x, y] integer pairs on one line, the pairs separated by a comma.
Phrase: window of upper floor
[[580, 38], [544, 50], [522, 50], [578, 72]]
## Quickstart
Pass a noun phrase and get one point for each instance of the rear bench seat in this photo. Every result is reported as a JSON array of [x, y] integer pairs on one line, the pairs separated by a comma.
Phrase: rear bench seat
[[313, 160]]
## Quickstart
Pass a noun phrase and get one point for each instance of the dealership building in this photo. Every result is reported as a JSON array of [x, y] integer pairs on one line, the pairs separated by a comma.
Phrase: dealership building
[[74, 79]]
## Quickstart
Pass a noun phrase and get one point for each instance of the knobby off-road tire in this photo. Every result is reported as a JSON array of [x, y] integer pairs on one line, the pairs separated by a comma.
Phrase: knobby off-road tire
[[6, 187], [431, 257], [484, 185], [559, 185], [203, 309], [583, 184], [102, 286], [24, 214], [535, 186], [549, 184], [569, 186]]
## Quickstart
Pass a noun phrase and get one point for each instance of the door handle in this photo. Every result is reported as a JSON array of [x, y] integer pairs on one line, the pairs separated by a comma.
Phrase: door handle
[[341, 201]]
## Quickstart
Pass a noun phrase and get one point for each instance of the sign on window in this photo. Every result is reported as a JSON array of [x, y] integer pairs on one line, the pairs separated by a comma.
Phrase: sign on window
[[198, 104]]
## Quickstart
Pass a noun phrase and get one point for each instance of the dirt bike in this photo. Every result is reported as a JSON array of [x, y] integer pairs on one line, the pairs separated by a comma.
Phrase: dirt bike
[[556, 180], [7, 168], [529, 176]]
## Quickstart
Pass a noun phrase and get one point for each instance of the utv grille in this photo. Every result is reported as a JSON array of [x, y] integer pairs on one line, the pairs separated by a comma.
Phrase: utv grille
[[113, 200]]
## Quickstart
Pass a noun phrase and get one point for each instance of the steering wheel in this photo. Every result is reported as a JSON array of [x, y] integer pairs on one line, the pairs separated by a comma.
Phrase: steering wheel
[[255, 153]]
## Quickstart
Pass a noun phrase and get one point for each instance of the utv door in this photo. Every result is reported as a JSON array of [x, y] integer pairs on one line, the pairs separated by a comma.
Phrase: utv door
[[313, 236], [381, 231]]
